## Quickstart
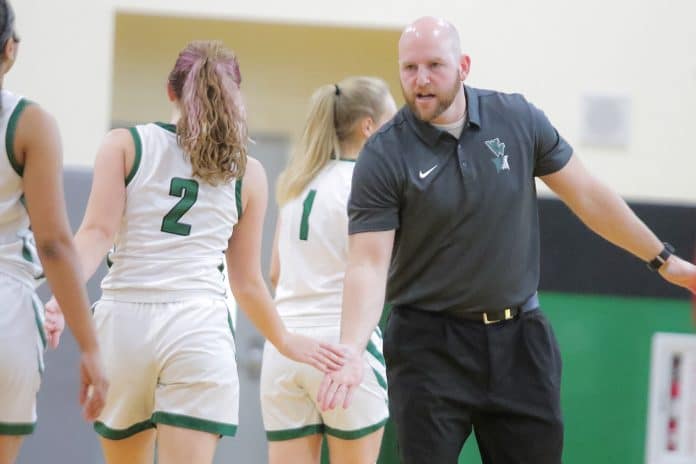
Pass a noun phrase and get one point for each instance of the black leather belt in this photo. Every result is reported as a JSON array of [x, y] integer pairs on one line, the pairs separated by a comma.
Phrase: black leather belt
[[499, 315]]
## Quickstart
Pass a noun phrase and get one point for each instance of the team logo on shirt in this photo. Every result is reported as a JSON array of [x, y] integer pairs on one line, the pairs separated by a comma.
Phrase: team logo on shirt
[[498, 149]]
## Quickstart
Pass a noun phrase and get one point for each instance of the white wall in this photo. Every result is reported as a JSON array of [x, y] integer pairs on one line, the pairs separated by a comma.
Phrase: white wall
[[552, 51]]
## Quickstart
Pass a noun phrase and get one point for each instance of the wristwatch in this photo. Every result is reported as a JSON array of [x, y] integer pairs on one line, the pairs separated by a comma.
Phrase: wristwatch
[[660, 259]]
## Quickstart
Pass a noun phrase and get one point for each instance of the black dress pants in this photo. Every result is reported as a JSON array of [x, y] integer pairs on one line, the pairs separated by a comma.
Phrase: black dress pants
[[449, 375]]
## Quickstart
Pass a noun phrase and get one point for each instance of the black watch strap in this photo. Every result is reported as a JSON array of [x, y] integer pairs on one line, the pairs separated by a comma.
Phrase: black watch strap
[[656, 263]]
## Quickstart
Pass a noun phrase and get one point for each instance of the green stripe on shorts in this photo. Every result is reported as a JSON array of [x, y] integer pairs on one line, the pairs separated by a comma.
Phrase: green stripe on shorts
[[39, 322], [194, 423], [378, 331], [380, 380], [229, 323], [9, 428], [290, 434], [120, 434], [372, 349], [355, 434]]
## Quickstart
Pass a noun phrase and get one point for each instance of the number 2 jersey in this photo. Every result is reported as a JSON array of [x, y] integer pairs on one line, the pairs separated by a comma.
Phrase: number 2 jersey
[[18, 256], [175, 228], [313, 249]]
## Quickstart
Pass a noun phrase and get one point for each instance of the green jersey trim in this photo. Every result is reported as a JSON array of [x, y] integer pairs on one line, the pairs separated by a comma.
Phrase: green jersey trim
[[238, 197], [10, 136], [138, 153], [167, 126], [306, 210]]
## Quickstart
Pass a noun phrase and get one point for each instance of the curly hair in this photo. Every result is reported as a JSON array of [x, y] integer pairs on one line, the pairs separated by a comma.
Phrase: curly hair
[[212, 129]]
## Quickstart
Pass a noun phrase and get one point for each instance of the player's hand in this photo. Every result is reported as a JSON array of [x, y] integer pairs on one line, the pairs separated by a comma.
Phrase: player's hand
[[93, 385], [54, 323], [679, 272], [324, 356], [337, 387]]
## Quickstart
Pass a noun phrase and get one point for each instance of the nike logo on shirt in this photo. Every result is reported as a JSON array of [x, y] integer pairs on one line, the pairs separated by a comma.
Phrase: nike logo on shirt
[[423, 175]]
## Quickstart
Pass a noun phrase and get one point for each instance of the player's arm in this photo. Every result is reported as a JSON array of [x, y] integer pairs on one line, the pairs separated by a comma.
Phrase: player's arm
[[39, 146], [102, 217], [39, 141], [607, 214], [274, 272], [107, 200], [243, 257]]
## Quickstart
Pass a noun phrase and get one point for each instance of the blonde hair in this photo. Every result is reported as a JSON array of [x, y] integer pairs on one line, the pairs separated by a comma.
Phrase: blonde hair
[[335, 110], [212, 129]]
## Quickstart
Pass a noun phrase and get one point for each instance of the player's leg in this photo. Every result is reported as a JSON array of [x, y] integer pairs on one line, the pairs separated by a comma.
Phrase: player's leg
[[304, 450], [177, 445], [9, 448], [21, 364], [293, 424], [197, 396], [363, 450], [136, 449]]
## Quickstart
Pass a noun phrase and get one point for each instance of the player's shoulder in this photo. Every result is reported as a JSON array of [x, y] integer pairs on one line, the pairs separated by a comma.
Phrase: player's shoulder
[[254, 168], [34, 116]]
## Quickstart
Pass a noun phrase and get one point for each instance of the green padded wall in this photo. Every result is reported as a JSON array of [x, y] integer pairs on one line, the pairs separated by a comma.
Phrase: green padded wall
[[605, 344]]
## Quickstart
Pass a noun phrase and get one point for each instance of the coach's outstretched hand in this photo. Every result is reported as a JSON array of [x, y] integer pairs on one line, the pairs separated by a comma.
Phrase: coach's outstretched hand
[[324, 356], [337, 387]]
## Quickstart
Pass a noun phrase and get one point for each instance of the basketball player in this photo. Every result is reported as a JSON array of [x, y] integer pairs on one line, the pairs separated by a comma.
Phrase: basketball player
[[308, 264], [175, 197], [31, 191]]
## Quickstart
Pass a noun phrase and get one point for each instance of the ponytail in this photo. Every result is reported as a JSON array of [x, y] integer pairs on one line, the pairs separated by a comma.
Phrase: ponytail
[[335, 110], [318, 144], [212, 129]]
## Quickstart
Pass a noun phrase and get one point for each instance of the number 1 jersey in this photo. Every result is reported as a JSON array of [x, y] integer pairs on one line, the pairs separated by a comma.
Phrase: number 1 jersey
[[313, 249], [175, 228]]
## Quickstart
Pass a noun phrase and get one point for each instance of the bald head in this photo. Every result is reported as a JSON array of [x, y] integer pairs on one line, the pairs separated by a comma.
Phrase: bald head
[[432, 69], [429, 29]]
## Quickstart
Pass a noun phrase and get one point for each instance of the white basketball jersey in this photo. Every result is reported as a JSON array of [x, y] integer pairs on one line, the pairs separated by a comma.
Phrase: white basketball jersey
[[313, 249], [175, 227], [18, 256]]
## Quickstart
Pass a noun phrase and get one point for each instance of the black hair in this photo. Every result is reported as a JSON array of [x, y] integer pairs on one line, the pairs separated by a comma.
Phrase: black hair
[[7, 19]]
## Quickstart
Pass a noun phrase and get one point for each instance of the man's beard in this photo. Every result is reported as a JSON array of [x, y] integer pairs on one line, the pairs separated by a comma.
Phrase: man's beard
[[443, 102]]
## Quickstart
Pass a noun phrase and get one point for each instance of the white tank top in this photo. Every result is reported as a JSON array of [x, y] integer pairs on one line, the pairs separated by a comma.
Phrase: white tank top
[[18, 256], [313, 249], [175, 228]]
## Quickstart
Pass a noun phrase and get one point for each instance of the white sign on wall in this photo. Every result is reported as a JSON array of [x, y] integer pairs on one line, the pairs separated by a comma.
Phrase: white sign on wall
[[672, 400]]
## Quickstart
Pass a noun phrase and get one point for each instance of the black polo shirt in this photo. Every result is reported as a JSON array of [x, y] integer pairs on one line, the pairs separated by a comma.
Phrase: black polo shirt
[[464, 211]]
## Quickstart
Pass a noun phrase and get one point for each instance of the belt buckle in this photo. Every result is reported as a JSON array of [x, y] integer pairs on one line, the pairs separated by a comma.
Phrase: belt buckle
[[506, 315]]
